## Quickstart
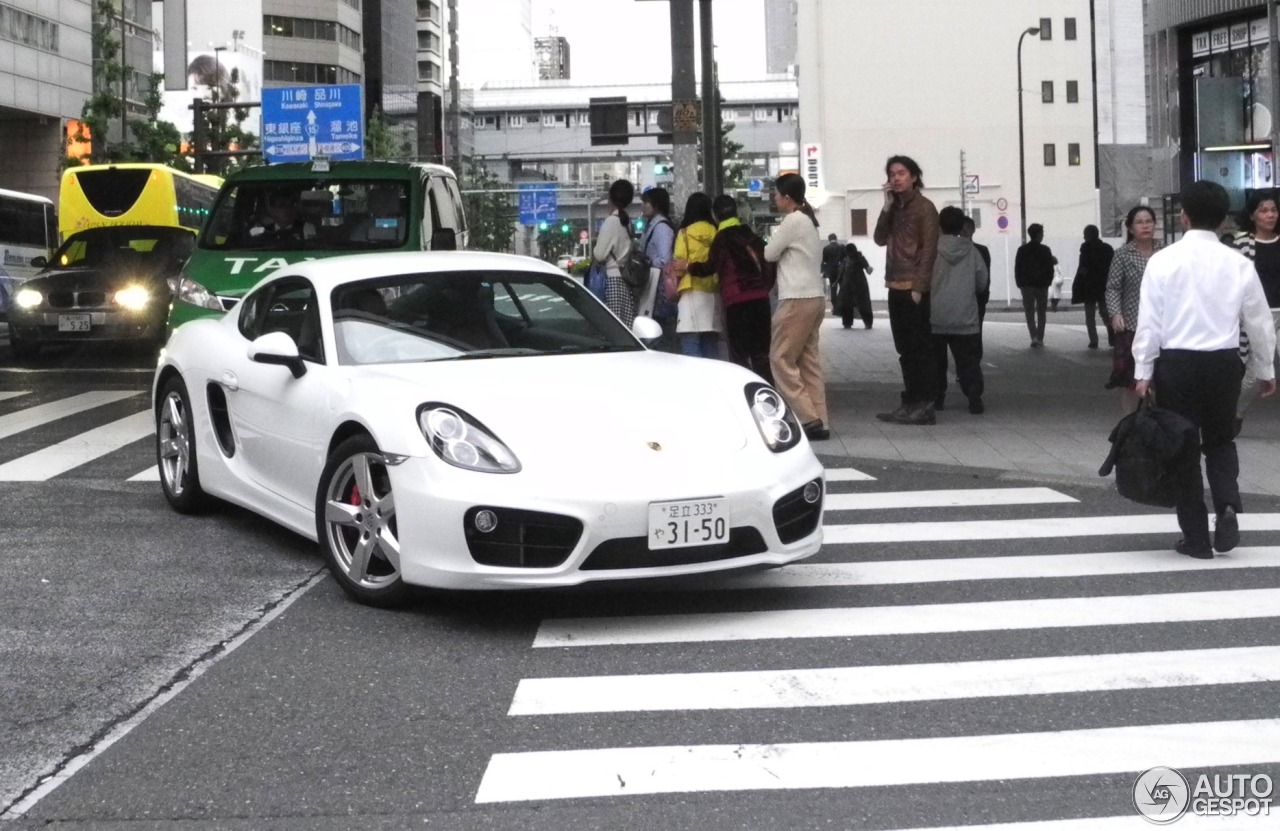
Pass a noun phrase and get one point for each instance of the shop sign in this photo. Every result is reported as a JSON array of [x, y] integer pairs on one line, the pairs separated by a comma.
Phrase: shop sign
[[1259, 31], [1220, 40], [1239, 35], [1199, 44]]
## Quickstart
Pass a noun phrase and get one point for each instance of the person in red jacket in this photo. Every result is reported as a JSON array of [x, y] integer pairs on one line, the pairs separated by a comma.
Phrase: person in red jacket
[[737, 258]]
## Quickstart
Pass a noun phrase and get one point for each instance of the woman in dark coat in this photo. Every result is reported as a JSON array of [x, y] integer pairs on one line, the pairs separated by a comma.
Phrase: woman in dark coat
[[854, 294], [1090, 284]]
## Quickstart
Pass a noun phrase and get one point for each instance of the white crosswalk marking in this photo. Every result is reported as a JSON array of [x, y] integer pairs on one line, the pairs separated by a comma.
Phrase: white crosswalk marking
[[561, 774], [959, 498], [847, 474], [42, 414], [847, 686], [989, 616], [5, 396], [151, 474], [56, 459], [1016, 529]]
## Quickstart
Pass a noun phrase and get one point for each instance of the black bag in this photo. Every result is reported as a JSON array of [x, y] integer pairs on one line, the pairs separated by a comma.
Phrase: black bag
[[1146, 448], [637, 267]]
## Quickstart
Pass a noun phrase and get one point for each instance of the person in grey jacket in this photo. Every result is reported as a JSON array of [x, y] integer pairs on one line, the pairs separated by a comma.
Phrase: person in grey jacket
[[959, 277]]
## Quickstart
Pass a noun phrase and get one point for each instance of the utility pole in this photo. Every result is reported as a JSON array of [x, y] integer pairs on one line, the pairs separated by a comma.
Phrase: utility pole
[[684, 104], [712, 163], [964, 194]]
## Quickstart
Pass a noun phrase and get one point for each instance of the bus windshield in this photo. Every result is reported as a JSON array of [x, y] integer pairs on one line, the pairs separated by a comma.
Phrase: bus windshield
[[28, 229], [333, 215], [133, 194]]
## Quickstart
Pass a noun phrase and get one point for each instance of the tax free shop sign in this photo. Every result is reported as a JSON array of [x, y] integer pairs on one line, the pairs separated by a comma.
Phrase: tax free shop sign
[[300, 123]]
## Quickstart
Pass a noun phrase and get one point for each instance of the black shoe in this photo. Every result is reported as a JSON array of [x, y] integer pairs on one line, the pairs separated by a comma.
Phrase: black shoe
[[1093, 345], [893, 417], [976, 407], [1200, 552], [921, 414], [815, 430], [866, 326], [1226, 533], [940, 403]]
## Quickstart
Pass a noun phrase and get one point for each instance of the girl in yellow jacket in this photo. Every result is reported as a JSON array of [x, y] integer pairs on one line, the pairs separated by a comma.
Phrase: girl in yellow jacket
[[700, 313]]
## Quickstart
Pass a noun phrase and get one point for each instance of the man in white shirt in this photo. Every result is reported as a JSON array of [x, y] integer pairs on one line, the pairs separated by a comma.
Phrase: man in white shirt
[[1196, 295]]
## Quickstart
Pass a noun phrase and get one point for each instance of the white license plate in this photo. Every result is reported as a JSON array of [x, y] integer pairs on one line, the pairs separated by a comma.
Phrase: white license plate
[[688, 522], [73, 323]]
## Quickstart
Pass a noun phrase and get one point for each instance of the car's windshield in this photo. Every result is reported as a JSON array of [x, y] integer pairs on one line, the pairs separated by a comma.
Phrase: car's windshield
[[468, 315], [125, 246], [333, 215]]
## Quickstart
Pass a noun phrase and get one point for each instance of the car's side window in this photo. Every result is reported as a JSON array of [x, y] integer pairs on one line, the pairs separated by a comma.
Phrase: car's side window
[[287, 305]]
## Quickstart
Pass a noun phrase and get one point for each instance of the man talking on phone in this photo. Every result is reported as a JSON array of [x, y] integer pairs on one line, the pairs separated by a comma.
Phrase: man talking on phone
[[908, 225]]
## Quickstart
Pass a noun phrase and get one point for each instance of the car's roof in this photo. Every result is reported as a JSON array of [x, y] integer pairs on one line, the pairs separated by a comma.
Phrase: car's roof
[[333, 271], [293, 171]]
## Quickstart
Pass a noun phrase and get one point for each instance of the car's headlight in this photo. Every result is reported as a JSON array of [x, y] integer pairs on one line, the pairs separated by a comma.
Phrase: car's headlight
[[778, 427], [27, 298], [133, 298], [189, 291], [462, 441]]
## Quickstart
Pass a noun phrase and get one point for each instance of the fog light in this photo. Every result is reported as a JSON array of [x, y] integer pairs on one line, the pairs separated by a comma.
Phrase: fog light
[[812, 492], [486, 521]]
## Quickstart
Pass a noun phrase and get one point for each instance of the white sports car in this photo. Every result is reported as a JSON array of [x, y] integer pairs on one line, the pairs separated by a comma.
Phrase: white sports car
[[469, 420]]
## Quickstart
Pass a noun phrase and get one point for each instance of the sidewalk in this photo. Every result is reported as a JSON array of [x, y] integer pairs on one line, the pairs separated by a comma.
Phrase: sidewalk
[[1047, 416]]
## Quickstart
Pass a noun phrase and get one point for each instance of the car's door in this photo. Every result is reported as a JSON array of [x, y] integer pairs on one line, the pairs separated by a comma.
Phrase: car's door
[[278, 418]]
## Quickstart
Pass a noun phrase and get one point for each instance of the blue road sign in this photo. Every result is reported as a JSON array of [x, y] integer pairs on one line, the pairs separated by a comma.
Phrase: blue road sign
[[755, 185], [299, 123], [539, 201]]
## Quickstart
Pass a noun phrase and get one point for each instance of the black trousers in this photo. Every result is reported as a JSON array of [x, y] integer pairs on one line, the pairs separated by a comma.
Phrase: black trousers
[[967, 352], [748, 332], [1091, 311], [1203, 388], [855, 298], [909, 324], [1034, 302]]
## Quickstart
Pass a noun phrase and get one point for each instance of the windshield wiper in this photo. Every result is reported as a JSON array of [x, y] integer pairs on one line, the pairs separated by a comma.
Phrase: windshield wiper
[[599, 347], [500, 352]]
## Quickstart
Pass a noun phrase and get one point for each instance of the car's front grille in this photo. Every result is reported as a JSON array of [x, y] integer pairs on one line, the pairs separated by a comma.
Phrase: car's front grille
[[522, 539], [77, 299], [634, 552], [794, 518]]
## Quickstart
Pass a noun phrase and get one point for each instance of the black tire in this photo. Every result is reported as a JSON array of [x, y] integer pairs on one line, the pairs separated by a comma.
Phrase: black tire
[[23, 350], [359, 539], [176, 450]]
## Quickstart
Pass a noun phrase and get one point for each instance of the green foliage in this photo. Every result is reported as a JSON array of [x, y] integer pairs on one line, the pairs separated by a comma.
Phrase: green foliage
[[580, 268], [491, 214], [554, 243], [381, 141]]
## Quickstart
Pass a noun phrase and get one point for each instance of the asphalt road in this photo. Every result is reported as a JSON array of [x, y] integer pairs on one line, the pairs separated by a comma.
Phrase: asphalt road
[[159, 670]]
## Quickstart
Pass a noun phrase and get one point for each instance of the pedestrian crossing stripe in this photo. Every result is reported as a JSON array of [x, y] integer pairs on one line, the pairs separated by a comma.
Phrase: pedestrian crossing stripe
[[847, 474], [151, 474], [48, 462], [5, 396], [41, 414], [1017, 529], [852, 686], [871, 621], [957, 498], [567, 774]]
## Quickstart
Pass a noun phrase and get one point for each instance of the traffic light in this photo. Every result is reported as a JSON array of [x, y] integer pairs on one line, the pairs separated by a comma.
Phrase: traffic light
[[639, 225], [564, 227], [661, 169], [542, 226]]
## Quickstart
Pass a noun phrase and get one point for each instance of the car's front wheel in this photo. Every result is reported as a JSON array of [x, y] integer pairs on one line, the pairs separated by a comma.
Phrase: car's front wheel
[[23, 350], [356, 524], [176, 449]]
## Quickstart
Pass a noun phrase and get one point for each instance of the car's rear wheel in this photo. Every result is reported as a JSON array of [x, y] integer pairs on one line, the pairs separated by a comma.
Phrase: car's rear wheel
[[176, 449], [356, 524]]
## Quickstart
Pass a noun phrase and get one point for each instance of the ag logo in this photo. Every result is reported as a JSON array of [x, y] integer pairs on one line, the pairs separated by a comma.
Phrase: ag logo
[[1161, 795]]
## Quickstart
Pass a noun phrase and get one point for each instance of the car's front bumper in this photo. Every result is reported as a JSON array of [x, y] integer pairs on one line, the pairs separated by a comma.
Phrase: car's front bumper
[[433, 505], [104, 325]]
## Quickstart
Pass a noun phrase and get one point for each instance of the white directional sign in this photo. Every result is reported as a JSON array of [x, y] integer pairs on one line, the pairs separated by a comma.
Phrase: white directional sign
[[299, 123]]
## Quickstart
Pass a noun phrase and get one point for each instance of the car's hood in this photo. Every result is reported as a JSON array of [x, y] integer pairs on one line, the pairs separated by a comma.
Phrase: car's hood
[[89, 279], [607, 408]]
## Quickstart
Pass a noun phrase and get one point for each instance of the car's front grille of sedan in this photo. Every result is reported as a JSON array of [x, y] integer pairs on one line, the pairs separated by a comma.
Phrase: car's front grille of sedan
[[520, 539], [633, 552], [77, 299], [795, 518]]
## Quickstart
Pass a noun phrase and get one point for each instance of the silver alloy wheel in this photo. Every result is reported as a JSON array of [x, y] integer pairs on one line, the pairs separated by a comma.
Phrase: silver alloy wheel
[[360, 522], [173, 433]]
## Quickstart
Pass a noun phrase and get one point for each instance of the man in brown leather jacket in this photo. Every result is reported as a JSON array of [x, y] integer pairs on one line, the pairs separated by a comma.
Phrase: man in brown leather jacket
[[908, 225]]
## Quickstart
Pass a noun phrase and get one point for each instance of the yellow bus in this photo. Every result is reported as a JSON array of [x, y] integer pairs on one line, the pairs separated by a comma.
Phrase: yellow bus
[[139, 193]]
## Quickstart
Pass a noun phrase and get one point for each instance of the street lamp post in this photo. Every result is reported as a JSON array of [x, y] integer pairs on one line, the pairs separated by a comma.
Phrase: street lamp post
[[1022, 149], [217, 97]]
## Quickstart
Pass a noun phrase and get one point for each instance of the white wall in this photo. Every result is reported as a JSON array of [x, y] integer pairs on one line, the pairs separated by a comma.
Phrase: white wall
[[932, 78]]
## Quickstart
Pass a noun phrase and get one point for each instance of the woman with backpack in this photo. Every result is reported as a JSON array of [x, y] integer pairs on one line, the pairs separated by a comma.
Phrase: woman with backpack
[[737, 260], [699, 312], [658, 242], [613, 244]]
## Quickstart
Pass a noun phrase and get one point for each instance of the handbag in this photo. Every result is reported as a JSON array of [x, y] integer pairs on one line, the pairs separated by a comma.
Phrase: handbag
[[595, 282], [1122, 365], [671, 276], [1147, 447]]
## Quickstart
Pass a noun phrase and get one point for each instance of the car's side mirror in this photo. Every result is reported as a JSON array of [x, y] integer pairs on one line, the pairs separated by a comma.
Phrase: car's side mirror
[[39, 262], [277, 348], [646, 329], [444, 239]]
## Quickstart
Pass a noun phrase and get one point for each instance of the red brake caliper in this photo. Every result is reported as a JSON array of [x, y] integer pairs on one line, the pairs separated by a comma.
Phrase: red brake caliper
[[354, 499]]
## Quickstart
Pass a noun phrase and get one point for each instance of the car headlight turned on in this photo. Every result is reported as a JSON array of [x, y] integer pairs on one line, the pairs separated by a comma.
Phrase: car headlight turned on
[[460, 440], [27, 298], [189, 291], [133, 298], [778, 426]]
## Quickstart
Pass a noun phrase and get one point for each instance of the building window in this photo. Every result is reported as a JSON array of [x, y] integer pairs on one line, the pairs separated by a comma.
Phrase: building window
[[428, 10], [1050, 155], [1073, 92], [309, 29], [28, 29], [1046, 92], [296, 72], [428, 71], [428, 42], [584, 119], [1073, 155], [1069, 29], [1046, 28], [857, 222], [515, 120]]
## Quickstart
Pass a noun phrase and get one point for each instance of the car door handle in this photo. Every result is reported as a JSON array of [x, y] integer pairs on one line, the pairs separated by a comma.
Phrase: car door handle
[[229, 380]]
